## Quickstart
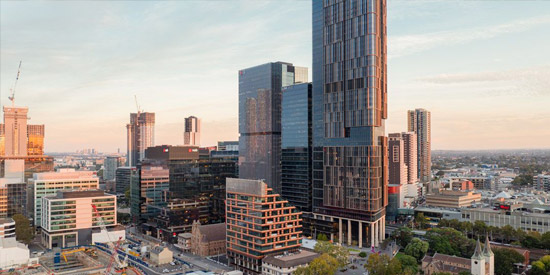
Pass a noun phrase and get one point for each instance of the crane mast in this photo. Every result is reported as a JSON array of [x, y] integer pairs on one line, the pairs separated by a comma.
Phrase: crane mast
[[12, 90]]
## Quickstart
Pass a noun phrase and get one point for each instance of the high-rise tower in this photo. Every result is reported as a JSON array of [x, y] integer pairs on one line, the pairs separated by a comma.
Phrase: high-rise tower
[[15, 125], [192, 134], [141, 135], [260, 120], [419, 122], [350, 170]]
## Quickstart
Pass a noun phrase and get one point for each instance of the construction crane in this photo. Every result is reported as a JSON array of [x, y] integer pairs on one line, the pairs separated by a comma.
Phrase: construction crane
[[114, 248], [12, 90], [137, 105], [65, 253]]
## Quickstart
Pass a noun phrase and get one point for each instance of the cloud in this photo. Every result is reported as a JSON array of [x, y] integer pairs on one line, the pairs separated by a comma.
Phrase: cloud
[[403, 45], [528, 81]]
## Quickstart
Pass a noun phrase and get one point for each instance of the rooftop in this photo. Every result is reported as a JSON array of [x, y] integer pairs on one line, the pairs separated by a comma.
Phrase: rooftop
[[291, 260], [213, 232]]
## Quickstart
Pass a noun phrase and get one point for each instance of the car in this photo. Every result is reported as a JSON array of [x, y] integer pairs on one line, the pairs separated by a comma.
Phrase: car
[[172, 263], [165, 271]]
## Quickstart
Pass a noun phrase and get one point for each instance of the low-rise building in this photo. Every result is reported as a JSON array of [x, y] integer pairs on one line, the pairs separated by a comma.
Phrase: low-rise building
[[500, 217], [13, 253], [481, 262], [208, 240], [161, 255], [184, 242], [68, 217], [452, 199], [286, 264]]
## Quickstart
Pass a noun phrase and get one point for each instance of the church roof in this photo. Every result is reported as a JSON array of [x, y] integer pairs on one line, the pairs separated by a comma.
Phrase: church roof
[[487, 249], [477, 252]]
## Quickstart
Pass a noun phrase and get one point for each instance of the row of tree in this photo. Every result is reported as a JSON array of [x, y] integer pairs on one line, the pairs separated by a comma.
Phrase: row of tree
[[506, 234]]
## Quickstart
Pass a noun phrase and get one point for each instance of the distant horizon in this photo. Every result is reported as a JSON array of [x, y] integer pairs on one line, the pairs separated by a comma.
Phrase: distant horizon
[[480, 67]]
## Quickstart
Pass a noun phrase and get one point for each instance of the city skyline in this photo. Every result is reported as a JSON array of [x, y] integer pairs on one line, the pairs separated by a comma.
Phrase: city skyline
[[67, 77]]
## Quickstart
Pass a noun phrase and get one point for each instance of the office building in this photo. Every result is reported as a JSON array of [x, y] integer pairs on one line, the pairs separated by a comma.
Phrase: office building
[[33, 164], [48, 183], [411, 155], [350, 181], [260, 121], [296, 146], [68, 218], [192, 134], [15, 131], [35, 140], [419, 122], [148, 190], [122, 178], [542, 182], [110, 166], [141, 135], [228, 146], [254, 233], [452, 199], [398, 169], [3, 201]]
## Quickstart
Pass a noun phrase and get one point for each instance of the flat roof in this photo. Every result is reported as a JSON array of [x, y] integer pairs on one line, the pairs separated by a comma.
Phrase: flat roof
[[290, 260]]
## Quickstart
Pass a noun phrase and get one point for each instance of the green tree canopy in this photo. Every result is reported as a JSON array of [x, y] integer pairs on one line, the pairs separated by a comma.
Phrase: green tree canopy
[[322, 265], [505, 259], [402, 236], [538, 268], [417, 248], [338, 252], [450, 241], [23, 230]]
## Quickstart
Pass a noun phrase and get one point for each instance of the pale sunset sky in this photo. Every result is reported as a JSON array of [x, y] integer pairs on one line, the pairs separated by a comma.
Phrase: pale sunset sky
[[481, 67]]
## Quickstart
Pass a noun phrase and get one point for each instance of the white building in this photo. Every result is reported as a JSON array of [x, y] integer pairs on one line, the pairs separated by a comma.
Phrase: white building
[[517, 219], [542, 182], [68, 218], [13, 253], [286, 264], [45, 184], [7, 228]]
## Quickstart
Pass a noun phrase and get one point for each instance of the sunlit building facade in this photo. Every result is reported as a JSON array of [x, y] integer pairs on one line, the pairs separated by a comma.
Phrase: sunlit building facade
[[419, 122], [350, 170], [259, 223], [35, 140]]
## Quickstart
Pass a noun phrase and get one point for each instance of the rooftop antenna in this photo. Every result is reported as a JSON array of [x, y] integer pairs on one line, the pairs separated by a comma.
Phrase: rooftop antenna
[[12, 97]]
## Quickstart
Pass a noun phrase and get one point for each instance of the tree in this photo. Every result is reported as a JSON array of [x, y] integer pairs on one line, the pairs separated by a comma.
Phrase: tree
[[480, 228], [449, 241], [417, 249], [538, 268], [505, 259], [408, 263], [532, 240], [546, 261], [420, 220], [442, 273], [322, 237], [523, 180], [464, 272], [402, 236], [545, 240], [23, 230], [508, 232], [377, 264], [363, 254], [322, 265], [338, 252]]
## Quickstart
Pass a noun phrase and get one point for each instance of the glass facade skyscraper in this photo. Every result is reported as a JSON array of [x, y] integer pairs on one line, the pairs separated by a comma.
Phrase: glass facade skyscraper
[[260, 121], [296, 145], [349, 111]]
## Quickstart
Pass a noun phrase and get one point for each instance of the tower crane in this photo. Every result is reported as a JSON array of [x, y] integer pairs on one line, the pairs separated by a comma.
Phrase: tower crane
[[137, 105], [114, 248], [12, 90]]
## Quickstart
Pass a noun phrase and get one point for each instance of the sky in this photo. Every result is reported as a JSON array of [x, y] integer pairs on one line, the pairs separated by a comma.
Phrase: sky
[[481, 67]]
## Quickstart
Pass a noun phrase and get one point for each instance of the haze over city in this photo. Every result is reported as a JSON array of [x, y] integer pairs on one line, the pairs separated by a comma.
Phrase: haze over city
[[480, 67]]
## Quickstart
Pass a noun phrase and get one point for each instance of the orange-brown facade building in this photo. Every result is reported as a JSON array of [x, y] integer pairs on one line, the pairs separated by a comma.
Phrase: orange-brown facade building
[[259, 223]]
